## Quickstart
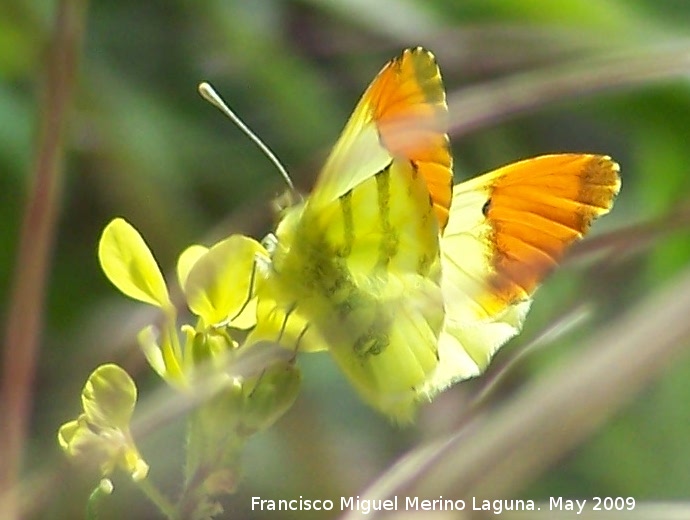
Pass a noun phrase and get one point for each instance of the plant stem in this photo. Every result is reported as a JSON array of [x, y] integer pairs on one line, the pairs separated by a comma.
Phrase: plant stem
[[155, 496], [491, 102], [25, 311]]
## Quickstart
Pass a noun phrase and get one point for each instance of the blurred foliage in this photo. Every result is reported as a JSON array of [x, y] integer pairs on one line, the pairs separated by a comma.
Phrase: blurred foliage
[[143, 145]]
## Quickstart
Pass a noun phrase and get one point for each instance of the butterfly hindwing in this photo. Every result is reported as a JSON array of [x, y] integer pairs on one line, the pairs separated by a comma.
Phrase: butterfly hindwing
[[403, 114]]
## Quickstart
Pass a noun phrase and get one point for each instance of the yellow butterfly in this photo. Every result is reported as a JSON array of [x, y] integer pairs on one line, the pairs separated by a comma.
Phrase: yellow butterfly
[[412, 284]]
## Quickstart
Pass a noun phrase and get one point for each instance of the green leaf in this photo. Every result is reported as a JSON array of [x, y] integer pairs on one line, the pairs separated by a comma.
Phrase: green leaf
[[128, 263], [274, 393], [219, 285]]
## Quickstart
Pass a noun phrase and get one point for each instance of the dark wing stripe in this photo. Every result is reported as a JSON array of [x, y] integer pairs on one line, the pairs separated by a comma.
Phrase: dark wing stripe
[[348, 224], [388, 248]]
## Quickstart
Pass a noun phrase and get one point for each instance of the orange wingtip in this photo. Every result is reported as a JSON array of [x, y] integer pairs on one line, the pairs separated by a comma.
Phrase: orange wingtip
[[409, 106], [539, 207]]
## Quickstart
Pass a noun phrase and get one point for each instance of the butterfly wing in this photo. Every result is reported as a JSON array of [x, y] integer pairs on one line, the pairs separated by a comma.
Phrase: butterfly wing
[[361, 277], [507, 230], [357, 268], [403, 114], [383, 309]]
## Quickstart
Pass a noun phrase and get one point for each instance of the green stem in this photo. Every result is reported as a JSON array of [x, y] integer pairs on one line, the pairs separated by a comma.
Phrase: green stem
[[155, 496], [102, 490]]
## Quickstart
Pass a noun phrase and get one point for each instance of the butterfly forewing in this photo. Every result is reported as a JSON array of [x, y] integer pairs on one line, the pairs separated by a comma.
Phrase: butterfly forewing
[[403, 114], [535, 209]]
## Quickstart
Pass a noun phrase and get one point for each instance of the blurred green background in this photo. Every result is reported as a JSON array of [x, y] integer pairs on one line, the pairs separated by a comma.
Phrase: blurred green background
[[523, 78]]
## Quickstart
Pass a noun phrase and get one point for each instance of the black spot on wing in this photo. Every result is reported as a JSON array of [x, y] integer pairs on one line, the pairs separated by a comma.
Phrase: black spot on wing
[[486, 207], [375, 339], [415, 170]]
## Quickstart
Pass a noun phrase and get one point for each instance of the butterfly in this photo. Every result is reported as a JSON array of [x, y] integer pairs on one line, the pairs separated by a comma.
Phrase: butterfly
[[410, 283]]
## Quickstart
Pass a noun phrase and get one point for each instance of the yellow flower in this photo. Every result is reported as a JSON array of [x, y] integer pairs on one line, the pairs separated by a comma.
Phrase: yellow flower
[[217, 283], [100, 435]]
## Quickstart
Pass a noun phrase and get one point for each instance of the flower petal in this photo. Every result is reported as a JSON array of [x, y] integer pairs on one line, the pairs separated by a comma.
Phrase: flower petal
[[219, 285], [186, 261], [247, 318], [128, 263], [148, 341], [108, 397], [66, 434]]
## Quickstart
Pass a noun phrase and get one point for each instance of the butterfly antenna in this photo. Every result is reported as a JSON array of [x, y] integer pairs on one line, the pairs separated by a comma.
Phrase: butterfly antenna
[[209, 94]]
